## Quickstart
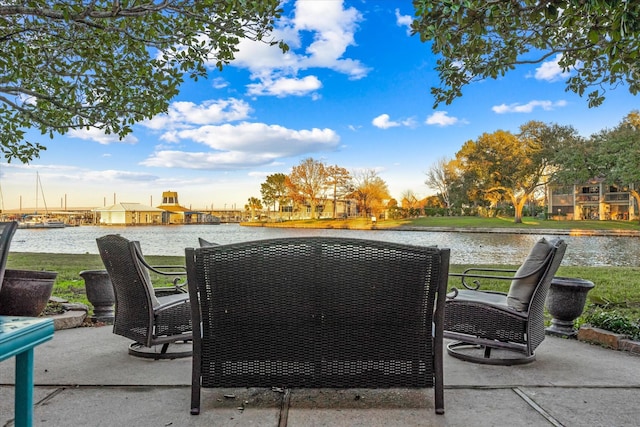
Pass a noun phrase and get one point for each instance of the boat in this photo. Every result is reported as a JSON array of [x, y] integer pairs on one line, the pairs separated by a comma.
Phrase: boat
[[40, 221]]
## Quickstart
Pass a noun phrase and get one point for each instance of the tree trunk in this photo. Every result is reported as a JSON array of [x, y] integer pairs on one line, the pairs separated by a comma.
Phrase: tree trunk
[[518, 205], [313, 209], [636, 195]]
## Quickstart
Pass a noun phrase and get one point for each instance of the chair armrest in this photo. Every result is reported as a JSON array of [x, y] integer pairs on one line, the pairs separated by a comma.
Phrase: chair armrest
[[471, 272], [167, 290], [489, 273], [179, 270], [174, 270], [169, 302]]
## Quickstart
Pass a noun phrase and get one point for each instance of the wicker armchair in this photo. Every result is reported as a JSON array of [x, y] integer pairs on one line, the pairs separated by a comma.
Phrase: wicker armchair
[[7, 230], [317, 312], [510, 324], [149, 316]]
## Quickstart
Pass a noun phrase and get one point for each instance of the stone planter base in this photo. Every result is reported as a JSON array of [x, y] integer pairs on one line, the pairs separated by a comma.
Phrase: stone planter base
[[100, 294], [565, 302]]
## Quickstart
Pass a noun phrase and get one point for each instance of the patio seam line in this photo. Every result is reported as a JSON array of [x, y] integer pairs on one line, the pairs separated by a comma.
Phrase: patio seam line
[[284, 408], [539, 409], [513, 386], [51, 395]]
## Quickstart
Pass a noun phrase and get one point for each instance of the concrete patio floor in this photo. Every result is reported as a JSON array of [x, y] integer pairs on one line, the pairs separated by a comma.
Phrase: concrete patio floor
[[84, 376]]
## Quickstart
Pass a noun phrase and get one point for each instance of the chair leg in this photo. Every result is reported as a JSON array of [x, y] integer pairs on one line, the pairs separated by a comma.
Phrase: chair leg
[[487, 352], [196, 375], [164, 348]]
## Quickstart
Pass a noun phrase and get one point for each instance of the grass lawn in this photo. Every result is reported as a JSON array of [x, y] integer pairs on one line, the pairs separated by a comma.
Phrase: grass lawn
[[527, 222], [617, 288], [455, 221]]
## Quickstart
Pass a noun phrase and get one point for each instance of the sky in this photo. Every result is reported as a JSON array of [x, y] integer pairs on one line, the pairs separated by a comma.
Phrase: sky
[[353, 91]]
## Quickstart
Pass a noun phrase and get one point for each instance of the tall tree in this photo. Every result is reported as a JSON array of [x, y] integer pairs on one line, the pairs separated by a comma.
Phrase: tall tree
[[337, 179], [308, 182], [253, 204], [440, 177], [370, 192], [508, 166], [478, 39], [107, 64], [274, 190]]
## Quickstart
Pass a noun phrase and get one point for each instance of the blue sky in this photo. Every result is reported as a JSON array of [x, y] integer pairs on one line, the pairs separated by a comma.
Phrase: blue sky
[[353, 92]]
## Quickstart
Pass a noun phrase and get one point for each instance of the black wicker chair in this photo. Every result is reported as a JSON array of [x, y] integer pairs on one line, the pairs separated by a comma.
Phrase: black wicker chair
[[315, 312], [7, 230], [510, 324], [151, 317]]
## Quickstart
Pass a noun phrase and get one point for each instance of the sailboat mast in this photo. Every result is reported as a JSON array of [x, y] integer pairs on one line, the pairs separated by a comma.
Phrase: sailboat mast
[[39, 183]]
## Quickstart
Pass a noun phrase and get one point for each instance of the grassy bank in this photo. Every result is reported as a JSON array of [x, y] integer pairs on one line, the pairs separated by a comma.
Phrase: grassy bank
[[454, 222], [617, 290]]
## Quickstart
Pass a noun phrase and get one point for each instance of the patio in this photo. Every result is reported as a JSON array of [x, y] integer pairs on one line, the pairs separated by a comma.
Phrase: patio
[[84, 376]]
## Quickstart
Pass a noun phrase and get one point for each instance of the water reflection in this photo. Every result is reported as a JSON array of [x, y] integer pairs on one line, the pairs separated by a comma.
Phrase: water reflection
[[466, 248]]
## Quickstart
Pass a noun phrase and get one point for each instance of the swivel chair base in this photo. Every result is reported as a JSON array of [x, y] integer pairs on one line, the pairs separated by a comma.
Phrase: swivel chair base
[[476, 353]]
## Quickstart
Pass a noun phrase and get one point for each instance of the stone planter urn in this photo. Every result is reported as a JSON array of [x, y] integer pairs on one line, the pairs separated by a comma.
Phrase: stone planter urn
[[565, 302], [100, 294], [26, 292]]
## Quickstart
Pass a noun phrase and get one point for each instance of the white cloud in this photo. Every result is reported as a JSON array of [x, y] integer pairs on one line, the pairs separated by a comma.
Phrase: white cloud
[[383, 122], [219, 83], [441, 118], [331, 29], [404, 21], [117, 176], [551, 71], [285, 86], [97, 135], [206, 160], [243, 145], [528, 107], [182, 114]]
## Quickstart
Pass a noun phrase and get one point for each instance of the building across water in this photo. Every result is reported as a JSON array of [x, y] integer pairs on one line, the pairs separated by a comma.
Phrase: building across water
[[168, 212], [593, 200]]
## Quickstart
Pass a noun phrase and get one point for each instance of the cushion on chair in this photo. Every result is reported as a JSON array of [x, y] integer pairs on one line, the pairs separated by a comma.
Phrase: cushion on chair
[[521, 290], [492, 298]]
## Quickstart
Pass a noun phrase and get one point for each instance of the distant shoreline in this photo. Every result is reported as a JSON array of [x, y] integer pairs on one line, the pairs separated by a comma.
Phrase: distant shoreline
[[505, 230]]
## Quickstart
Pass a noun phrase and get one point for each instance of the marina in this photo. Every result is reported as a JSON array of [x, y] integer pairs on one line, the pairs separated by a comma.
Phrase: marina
[[40, 222]]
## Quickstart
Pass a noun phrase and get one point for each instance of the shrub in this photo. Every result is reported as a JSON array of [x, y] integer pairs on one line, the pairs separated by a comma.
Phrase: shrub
[[613, 321]]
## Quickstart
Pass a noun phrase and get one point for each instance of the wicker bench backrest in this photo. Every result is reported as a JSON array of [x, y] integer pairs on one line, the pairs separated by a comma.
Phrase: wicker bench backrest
[[317, 312]]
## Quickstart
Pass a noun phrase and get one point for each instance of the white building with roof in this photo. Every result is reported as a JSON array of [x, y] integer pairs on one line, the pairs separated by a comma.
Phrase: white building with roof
[[130, 214]]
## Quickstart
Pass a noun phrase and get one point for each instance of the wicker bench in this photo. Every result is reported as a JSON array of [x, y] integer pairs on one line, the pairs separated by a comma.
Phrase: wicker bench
[[317, 312]]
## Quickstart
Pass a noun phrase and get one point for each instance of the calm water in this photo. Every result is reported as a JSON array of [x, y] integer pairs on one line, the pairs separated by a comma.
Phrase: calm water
[[466, 248]]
